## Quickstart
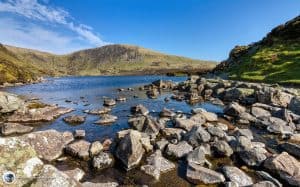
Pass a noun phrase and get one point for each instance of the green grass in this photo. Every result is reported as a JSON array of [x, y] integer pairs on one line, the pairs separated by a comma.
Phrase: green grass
[[278, 63]]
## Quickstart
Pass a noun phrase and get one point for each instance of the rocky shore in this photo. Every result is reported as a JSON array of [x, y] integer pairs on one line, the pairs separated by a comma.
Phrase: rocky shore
[[254, 142]]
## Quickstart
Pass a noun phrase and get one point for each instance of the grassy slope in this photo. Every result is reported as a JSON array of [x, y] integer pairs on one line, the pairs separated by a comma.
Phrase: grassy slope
[[275, 59]]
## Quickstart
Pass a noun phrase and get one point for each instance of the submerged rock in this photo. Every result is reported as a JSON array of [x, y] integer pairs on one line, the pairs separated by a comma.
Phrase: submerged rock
[[14, 128], [200, 175], [107, 119], [100, 111], [109, 102]]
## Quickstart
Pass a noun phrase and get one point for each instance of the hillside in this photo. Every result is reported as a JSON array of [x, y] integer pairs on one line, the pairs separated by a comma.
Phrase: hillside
[[108, 60], [274, 59]]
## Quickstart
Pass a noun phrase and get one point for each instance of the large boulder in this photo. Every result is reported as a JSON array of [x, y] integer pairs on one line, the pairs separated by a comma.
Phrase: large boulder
[[197, 174], [234, 174], [14, 128], [48, 144], [295, 105], [20, 158], [79, 149], [286, 166], [9, 102], [130, 150], [52, 177]]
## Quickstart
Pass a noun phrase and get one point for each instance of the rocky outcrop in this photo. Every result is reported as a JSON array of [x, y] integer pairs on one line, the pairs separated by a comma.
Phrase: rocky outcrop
[[10, 102], [14, 128]]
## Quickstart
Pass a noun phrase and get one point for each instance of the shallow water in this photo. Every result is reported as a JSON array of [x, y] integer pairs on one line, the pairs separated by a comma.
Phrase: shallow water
[[93, 89]]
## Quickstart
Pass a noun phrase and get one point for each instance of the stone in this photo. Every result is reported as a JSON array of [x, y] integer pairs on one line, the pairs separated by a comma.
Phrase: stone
[[179, 150], [96, 148], [221, 148], [238, 93], [109, 102], [79, 149], [107, 119], [15, 128], [20, 158], [234, 174], [121, 98], [52, 177], [278, 126], [167, 113], [102, 184], [161, 144], [77, 174], [264, 184], [9, 102], [130, 150], [291, 148], [244, 132], [295, 138], [140, 109], [197, 156], [208, 116], [196, 136], [49, 144], [200, 175], [234, 109], [44, 114], [99, 111], [79, 134], [231, 184], [259, 112], [254, 156], [186, 124], [171, 133], [247, 116], [286, 166], [216, 131], [266, 176], [157, 164], [199, 119], [153, 93], [280, 98], [102, 161], [294, 105], [74, 119], [137, 122]]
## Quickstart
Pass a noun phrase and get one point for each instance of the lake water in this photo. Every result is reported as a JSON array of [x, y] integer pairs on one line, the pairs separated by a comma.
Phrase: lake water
[[93, 89]]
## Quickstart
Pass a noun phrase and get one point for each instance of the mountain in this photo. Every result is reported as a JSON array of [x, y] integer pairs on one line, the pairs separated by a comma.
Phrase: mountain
[[274, 59], [106, 60]]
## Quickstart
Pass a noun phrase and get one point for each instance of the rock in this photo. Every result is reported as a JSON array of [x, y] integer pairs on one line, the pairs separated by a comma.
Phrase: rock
[[76, 174], [100, 111], [221, 148], [264, 184], [79, 134], [74, 119], [102, 161], [280, 98], [47, 113], [199, 119], [196, 136], [209, 116], [171, 133], [238, 93], [200, 175], [216, 131], [157, 164], [278, 126], [121, 98], [146, 142], [286, 166], [186, 124], [253, 156], [231, 184], [167, 113], [109, 102], [137, 122], [234, 109], [52, 177], [153, 93], [151, 126], [244, 132], [96, 148], [9, 102], [48, 144], [106, 184], [179, 150], [139, 109], [259, 112], [107, 119], [294, 105], [197, 156], [295, 138], [247, 116], [291, 148], [14, 128], [79, 149], [106, 144], [20, 158], [266, 176], [161, 144], [234, 174], [130, 150]]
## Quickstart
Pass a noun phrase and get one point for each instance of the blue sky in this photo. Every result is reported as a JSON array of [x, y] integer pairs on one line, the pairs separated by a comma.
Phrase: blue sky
[[202, 29]]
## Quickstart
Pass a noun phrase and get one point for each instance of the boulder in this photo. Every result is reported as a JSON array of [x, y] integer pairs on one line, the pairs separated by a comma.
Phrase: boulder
[[153, 93], [157, 164], [179, 150], [197, 156], [52, 177], [196, 136], [137, 122], [74, 119], [48, 144], [238, 93], [140, 109], [234, 109], [130, 150], [79, 149], [244, 132], [171, 133], [278, 126], [234, 174], [208, 116], [10, 102], [264, 184], [286, 166], [186, 124], [20, 158], [221, 148], [253, 156], [76, 174], [280, 98], [266, 176], [96, 148], [109, 102], [197, 174], [259, 112], [107, 119], [15, 128], [79, 134], [294, 105], [291, 148], [102, 161], [161, 144], [216, 131]]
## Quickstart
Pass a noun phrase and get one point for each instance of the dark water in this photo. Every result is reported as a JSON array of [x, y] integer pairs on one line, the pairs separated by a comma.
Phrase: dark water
[[93, 89]]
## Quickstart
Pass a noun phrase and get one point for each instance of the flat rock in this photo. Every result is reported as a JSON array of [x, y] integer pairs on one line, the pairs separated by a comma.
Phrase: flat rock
[[179, 150], [79, 149], [286, 166], [209, 116], [171, 133], [74, 119], [186, 124], [200, 175], [107, 119], [15, 128], [260, 112], [99, 111], [234, 174]]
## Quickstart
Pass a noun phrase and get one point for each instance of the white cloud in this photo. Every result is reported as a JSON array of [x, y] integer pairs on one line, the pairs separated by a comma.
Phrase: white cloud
[[35, 10]]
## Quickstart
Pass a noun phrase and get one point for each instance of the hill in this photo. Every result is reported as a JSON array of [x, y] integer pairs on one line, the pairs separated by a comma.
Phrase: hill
[[106, 60], [274, 59]]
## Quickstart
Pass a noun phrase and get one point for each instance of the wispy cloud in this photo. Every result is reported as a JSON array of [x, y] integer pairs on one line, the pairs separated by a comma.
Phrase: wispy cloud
[[39, 11]]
